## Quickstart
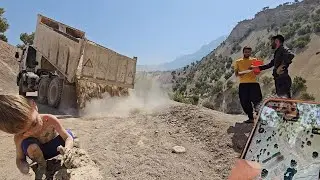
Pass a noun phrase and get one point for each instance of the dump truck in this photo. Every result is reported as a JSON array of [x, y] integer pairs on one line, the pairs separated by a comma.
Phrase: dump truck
[[66, 69]]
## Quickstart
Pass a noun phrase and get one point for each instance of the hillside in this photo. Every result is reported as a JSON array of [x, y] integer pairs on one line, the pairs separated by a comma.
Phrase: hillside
[[211, 81], [9, 68], [185, 59]]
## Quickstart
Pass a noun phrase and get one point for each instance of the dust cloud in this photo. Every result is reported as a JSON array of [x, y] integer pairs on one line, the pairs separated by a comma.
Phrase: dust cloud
[[146, 97]]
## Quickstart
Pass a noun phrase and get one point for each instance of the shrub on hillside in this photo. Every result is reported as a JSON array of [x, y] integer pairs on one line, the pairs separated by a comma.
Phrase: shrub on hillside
[[307, 97], [178, 97], [266, 80], [229, 84], [236, 48], [246, 34], [214, 77], [195, 99], [218, 73], [179, 87], [228, 65], [217, 88], [264, 53], [316, 27], [315, 17], [304, 30], [302, 41], [298, 85], [296, 25], [234, 92], [228, 75], [208, 104], [288, 31], [301, 16]]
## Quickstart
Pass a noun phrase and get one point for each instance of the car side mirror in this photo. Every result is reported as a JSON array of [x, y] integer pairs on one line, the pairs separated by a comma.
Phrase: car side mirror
[[16, 55]]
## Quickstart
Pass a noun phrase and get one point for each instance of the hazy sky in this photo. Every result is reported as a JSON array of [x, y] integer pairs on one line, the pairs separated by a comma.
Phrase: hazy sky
[[155, 31]]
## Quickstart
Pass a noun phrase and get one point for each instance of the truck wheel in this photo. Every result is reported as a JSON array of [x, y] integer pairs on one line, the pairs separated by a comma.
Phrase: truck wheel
[[21, 88], [43, 90], [55, 92]]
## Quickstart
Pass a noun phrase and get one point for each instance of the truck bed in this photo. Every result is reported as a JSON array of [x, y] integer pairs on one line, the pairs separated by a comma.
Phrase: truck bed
[[103, 65]]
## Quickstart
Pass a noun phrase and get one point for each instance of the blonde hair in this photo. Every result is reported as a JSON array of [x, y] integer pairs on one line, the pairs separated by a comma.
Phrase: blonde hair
[[15, 112]]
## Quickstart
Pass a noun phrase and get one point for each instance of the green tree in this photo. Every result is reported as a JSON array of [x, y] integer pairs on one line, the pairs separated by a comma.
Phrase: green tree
[[26, 39], [4, 26]]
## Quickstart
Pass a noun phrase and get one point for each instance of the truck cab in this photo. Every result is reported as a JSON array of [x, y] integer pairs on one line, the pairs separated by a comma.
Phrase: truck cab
[[27, 78]]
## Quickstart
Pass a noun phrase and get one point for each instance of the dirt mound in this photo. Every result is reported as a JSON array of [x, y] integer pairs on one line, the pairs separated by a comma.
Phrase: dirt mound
[[79, 167], [140, 145], [222, 135], [9, 68]]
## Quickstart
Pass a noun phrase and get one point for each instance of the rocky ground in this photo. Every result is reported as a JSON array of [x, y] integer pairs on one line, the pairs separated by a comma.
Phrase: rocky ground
[[140, 146]]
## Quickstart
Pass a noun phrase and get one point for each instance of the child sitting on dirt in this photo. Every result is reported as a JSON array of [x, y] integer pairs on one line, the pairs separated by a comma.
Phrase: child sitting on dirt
[[37, 136]]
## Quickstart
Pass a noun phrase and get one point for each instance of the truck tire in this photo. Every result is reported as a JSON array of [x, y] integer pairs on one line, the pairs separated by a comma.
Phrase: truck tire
[[55, 92], [21, 88], [43, 90]]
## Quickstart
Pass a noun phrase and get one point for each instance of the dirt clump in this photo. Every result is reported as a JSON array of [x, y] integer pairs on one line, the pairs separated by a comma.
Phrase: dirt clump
[[74, 165]]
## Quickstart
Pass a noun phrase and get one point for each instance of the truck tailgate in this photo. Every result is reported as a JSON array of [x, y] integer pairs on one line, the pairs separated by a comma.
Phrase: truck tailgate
[[61, 49]]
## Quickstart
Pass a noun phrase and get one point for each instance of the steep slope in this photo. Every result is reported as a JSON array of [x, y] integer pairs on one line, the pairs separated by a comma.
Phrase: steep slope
[[9, 68], [211, 82], [185, 59]]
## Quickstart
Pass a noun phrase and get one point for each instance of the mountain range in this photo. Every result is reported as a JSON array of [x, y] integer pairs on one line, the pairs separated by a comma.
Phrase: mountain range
[[184, 60]]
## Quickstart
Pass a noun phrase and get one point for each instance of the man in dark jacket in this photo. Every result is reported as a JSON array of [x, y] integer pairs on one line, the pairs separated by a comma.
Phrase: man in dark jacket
[[280, 63]]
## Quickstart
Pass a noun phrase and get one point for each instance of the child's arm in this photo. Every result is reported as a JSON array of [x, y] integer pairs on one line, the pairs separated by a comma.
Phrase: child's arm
[[21, 162], [62, 132]]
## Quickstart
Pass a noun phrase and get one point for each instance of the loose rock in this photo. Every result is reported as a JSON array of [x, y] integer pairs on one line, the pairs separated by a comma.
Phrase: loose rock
[[178, 149]]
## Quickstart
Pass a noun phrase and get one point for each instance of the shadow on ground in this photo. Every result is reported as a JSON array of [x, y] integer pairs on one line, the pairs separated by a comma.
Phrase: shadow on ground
[[54, 170], [45, 109], [240, 132]]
